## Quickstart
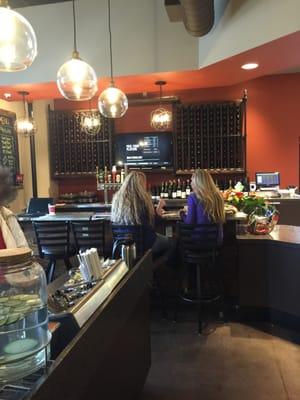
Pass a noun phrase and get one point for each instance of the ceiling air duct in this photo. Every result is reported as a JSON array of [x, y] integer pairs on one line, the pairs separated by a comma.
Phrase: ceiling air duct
[[197, 15]]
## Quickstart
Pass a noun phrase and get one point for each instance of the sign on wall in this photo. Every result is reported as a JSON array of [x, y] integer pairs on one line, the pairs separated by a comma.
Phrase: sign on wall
[[9, 155]]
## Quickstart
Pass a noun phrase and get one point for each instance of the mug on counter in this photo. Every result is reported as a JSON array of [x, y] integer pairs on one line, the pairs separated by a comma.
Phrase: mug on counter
[[51, 209]]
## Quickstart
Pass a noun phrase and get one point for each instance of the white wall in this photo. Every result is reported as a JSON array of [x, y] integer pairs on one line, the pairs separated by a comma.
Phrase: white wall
[[144, 40], [246, 24]]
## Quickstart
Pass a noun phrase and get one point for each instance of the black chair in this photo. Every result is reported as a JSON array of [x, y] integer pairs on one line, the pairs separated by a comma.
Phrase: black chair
[[199, 248], [89, 234], [127, 234], [53, 240]]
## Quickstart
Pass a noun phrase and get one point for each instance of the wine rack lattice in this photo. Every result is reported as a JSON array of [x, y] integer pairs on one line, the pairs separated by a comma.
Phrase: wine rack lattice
[[72, 151], [210, 136]]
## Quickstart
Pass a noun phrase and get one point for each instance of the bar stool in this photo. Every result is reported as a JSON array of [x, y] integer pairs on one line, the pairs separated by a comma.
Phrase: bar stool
[[127, 234], [88, 234], [53, 240], [198, 245]]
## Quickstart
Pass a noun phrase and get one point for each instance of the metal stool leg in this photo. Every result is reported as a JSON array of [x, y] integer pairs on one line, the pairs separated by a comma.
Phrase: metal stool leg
[[199, 305], [50, 270]]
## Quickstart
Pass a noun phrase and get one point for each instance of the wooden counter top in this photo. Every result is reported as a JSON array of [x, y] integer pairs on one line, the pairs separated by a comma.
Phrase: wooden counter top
[[281, 233]]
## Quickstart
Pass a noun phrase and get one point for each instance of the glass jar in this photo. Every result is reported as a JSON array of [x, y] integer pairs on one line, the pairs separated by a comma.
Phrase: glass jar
[[262, 220], [24, 335]]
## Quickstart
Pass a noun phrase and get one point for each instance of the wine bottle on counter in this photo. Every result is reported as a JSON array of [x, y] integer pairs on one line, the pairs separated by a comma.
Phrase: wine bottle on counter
[[188, 188], [174, 190], [170, 189], [162, 190], [165, 191], [183, 190], [178, 193]]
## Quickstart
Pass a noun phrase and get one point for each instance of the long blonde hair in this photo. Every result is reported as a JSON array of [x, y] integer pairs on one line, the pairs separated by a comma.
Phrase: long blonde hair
[[207, 192], [132, 204]]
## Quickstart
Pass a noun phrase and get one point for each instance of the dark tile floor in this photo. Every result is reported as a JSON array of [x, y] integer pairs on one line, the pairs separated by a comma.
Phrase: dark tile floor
[[236, 361]]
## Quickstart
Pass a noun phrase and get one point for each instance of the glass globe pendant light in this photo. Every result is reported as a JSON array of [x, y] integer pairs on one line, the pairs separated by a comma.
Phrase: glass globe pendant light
[[112, 102], [76, 80], [25, 125], [161, 118], [18, 46], [91, 122]]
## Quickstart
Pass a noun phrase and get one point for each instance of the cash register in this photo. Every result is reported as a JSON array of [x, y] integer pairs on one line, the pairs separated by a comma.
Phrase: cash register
[[268, 184]]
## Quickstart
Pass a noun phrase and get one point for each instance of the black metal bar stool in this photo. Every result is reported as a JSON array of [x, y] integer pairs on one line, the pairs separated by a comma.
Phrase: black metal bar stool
[[198, 246], [88, 234], [53, 240], [134, 233]]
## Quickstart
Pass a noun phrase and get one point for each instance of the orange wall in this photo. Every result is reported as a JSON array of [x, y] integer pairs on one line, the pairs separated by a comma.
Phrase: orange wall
[[273, 121]]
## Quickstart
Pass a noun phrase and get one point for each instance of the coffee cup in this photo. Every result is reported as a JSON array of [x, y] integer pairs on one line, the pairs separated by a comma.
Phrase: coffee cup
[[292, 192], [51, 209]]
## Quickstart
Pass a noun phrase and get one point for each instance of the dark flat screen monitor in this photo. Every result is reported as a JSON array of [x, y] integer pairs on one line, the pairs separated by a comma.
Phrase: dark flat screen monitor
[[153, 149], [266, 180]]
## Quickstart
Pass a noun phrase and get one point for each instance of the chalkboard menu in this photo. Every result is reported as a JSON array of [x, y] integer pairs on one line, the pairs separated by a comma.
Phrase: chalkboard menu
[[9, 155]]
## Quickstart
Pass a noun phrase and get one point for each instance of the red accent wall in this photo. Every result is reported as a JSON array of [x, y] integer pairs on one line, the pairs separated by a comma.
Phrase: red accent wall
[[273, 123]]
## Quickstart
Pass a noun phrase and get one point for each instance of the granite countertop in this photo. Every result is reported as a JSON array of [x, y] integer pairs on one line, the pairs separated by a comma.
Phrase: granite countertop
[[281, 233]]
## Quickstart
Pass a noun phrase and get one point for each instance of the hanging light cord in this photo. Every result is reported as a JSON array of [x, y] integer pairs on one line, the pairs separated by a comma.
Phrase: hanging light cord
[[110, 46], [160, 94], [74, 28], [24, 105]]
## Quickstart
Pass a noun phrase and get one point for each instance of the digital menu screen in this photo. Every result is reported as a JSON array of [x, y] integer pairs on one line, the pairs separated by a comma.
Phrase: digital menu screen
[[145, 149]]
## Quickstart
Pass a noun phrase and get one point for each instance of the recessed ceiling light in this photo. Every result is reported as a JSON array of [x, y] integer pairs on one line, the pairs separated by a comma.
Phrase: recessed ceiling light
[[7, 95], [250, 66]]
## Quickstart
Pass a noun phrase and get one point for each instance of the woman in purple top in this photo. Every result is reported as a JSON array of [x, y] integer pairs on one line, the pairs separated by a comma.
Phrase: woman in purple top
[[205, 204]]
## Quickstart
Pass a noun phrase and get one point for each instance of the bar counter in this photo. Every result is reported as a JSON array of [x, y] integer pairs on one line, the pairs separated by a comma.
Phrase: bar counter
[[269, 274], [110, 356]]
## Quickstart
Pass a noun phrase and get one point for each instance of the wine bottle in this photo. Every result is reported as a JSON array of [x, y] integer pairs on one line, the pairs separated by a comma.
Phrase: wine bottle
[[166, 190], [170, 189], [162, 191], [174, 190], [183, 190], [178, 195], [188, 188]]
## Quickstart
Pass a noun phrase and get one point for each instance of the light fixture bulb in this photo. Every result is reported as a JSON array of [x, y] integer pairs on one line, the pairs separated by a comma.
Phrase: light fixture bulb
[[18, 45], [160, 119], [77, 80], [249, 66], [112, 103], [91, 124], [25, 126]]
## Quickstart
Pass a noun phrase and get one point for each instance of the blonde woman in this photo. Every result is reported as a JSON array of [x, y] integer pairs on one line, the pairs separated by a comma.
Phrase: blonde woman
[[205, 204], [132, 205]]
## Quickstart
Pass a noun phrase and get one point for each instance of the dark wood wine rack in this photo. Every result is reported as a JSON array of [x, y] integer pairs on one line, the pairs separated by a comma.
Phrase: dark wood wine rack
[[72, 151], [211, 136]]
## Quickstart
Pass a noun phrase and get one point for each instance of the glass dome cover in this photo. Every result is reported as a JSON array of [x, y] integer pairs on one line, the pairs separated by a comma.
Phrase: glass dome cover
[[18, 44], [112, 103], [77, 80]]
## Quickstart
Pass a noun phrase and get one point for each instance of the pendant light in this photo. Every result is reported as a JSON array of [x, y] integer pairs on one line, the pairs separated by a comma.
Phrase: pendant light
[[161, 118], [91, 121], [76, 80], [25, 125], [112, 101], [18, 46]]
